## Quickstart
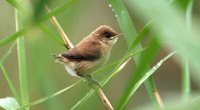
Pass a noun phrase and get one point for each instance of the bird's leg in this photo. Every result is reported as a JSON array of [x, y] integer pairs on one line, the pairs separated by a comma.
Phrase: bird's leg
[[92, 81]]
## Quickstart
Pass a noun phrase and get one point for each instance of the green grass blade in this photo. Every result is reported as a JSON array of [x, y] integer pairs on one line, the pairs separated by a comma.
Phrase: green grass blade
[[84, 99], [24, 90], [7, 53], [189, 14], [185, 79], [185, 63], [121, 65], [10, 84], [129, 31], [124, 20], [58, 10], [11, 37], [142, 68], [14, 4], [140, 36], [50, 96], [149, 73], [45, 29]]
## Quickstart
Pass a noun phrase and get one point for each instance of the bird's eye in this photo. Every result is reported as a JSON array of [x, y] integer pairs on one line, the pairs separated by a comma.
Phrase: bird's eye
[[107, 35]]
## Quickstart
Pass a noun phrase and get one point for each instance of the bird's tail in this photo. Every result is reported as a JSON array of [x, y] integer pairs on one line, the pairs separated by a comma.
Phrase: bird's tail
[[59, 58]]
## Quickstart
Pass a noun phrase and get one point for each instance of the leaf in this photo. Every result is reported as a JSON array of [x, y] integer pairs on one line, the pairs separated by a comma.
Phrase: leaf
[[11, 37], [50, 96], [185, 63], [128, 29], [9, 103], [124, 20], [170, 24], [5, 74], [148, 56], [11, 86], [22, 63], [44, 28]]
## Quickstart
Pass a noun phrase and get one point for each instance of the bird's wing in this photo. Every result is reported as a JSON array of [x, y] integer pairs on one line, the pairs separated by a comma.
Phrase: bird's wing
[[86, 51]]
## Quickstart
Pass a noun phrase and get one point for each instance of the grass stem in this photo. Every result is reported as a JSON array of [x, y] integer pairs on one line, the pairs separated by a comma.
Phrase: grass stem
[[55, 23], [24, 91]]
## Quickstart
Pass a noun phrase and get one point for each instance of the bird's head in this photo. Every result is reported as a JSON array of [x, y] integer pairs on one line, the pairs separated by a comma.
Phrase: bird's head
[[106, 35]]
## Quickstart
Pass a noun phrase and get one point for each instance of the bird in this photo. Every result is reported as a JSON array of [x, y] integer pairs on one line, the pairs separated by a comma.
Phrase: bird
[[90, 53]]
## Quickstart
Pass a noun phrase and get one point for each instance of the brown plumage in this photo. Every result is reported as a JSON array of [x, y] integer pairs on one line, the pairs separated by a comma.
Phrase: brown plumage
[[90, 53]]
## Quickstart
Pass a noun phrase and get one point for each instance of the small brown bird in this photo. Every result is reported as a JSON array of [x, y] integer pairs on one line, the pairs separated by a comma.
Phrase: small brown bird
[[90, 53]]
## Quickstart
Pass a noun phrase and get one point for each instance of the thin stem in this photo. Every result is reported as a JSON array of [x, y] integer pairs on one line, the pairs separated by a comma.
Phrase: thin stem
[[7, 53], [50, 96], [157, 100], [12, 88], [24, 92], [96, 87], [185, 62], [185, 79], [45, 29], [9, 81], [68, 43]]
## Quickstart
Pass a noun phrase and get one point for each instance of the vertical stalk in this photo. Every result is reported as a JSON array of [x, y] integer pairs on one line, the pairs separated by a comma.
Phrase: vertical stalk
[[102, 96], [185, 63], [21, 51], [185, 79]]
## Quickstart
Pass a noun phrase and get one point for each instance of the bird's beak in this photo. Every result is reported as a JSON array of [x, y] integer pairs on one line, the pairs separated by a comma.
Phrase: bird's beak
[[119, 35]]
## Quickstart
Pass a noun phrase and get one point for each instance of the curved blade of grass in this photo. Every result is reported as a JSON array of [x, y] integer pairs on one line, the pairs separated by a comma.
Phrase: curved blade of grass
[[140, 35], [50, 96], [24, 90], [84, 99], [169, 22], [10, 84], [148, 56], [58, 10], [44, 28], [8, 52], [15, 4], [20, 32], [128, 30], [185, 62], [124, 20], [11, 37], [147, 74]]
